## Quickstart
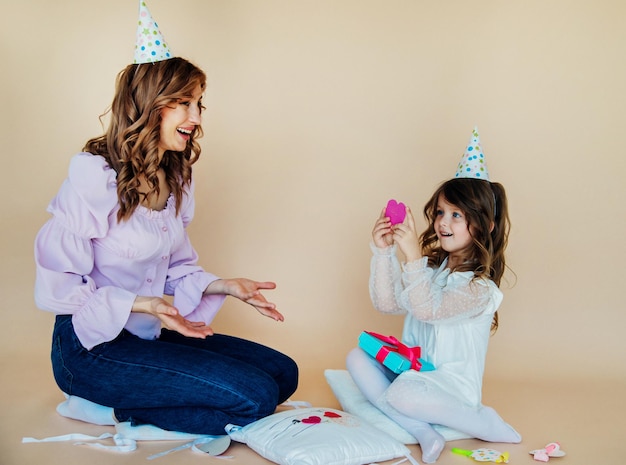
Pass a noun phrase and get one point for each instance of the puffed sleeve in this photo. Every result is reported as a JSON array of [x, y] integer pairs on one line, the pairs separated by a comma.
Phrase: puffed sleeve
[[445, 296], [64, 253], [186, 281], [385, 282]]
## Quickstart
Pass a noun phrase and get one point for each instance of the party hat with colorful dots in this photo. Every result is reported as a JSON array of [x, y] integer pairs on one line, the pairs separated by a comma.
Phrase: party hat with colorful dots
[[473, 164], [150, 46]]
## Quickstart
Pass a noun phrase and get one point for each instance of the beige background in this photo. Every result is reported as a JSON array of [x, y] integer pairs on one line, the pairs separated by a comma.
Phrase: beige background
[[318, 113]]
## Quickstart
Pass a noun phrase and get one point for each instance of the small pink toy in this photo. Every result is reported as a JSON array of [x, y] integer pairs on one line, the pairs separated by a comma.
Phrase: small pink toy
[[395, 211], [484, 455], [551, 450]]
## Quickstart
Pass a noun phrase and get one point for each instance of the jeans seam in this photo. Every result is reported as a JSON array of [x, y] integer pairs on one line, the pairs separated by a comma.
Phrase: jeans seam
[[65, 371]]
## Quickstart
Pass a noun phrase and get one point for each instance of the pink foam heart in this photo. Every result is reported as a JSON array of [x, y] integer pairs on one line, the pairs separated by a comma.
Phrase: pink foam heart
[[312, 420], [395, 211]]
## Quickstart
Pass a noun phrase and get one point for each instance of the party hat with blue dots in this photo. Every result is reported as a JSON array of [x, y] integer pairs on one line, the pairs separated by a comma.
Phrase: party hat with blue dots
[[473, 164], [150, 46]]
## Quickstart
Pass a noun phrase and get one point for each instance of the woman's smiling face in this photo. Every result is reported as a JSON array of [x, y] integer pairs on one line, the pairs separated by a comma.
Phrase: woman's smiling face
[[179, 121]]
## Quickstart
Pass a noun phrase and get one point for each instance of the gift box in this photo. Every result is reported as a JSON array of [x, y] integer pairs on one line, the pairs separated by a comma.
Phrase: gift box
[[392, 353]]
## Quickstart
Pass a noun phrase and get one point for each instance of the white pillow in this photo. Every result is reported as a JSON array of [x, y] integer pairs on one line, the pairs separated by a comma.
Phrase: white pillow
[[353, 401], [318, 436]]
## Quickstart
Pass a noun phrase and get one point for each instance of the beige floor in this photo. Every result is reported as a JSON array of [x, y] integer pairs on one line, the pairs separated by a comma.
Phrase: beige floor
[[586, 417]]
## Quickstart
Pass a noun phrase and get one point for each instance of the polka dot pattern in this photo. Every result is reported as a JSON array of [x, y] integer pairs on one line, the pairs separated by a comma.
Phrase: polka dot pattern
[[472, 164], [150, 45]]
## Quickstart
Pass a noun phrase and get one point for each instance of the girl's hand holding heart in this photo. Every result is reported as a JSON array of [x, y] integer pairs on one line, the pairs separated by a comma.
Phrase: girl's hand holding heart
[[405, 235]]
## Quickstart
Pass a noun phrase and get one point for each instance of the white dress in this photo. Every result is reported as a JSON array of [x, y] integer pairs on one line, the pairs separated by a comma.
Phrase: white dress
[[448, 314]]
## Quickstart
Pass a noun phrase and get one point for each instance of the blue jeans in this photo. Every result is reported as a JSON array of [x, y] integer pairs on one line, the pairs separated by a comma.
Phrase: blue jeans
[[175, 382]]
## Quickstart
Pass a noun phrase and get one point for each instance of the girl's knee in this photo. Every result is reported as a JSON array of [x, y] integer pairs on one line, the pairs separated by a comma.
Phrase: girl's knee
[[356, 358], [405, 396]]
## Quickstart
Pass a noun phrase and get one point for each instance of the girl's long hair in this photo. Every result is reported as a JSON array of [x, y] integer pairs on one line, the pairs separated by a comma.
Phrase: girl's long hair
[[130, 143], [485, 207]]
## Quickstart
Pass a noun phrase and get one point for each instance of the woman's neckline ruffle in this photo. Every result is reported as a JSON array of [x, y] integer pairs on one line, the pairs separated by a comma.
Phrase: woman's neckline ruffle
[[170, 206]]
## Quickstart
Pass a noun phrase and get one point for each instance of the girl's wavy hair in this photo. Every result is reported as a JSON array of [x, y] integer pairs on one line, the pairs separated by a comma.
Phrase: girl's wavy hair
[[483, 204], [130, 143]]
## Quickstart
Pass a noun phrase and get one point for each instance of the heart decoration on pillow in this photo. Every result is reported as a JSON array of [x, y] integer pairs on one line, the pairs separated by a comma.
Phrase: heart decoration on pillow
[[316, 420], [312, 420], [395, 211]]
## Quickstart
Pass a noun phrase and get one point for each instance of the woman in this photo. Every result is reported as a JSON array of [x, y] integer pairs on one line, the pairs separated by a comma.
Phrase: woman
[[116, 244]]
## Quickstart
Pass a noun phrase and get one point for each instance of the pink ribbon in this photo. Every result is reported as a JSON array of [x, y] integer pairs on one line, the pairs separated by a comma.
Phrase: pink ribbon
[[411, 353]]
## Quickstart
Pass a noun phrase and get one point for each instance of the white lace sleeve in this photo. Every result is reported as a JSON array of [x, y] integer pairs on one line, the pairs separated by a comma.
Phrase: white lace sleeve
[[445, 296], [385, 284]]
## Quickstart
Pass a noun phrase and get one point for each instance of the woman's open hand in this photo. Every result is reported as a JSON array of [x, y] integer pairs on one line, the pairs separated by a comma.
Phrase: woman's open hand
[[170, 317], [247, 291]]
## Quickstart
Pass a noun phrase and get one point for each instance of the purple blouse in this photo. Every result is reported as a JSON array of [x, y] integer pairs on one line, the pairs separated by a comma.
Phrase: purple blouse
[[92, 267]]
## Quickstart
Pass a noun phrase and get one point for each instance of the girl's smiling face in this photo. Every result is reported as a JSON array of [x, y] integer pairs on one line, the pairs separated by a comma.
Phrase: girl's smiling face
[[179, 121], [451, 228]]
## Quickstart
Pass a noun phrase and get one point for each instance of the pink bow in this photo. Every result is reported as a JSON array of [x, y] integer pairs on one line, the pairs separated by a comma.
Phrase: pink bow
[[411, 353]]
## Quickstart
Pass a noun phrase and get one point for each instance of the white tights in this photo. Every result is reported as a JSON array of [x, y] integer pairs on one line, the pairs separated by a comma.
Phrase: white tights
[[417, 411], [373, 381]]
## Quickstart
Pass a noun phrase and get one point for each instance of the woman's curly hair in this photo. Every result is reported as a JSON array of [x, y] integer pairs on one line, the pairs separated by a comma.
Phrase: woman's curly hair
[[130, 143]]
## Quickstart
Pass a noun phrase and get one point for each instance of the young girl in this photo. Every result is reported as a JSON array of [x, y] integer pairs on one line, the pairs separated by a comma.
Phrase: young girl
[[448, 289], [117, 243]]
